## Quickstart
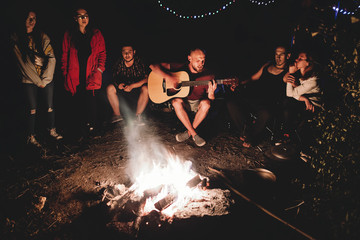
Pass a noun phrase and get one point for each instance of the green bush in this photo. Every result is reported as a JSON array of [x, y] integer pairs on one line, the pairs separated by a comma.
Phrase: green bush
[[335, 193]]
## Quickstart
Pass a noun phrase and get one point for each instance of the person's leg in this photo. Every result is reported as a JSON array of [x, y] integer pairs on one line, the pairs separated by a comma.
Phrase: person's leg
[[31, 91], [292, 109], [143, 100], [305, 131], [128, 103], [91, 105], [262, 117], [182, 115], [237, 112], [113, 99], [202, 112], [286, 115], [48, 93]]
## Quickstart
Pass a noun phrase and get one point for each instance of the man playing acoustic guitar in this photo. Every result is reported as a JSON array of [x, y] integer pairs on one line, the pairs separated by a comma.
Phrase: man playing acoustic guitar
[[199, 98]]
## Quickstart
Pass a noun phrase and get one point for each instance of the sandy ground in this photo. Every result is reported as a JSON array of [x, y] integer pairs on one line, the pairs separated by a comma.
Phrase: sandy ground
[[56, 193]]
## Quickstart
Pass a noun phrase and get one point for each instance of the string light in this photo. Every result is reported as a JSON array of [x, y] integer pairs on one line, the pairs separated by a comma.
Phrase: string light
[[197, 16], [265, 3], [337, 10]]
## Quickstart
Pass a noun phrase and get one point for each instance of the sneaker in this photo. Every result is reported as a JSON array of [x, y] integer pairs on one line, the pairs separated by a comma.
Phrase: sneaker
[[54, 134], [199, 141], [32, 140], [116, 118], [181, 137], [139, 121], [89, 127]]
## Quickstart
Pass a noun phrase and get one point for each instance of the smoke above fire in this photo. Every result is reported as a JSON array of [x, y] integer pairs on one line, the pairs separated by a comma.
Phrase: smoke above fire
[[145, 149]]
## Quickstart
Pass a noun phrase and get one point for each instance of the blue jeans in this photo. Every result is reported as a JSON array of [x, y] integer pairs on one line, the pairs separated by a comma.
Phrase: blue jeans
[[31, 97]]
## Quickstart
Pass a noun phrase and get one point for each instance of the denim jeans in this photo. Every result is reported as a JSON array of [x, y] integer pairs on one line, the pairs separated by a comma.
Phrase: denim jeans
[[31, 96], [239, 110]]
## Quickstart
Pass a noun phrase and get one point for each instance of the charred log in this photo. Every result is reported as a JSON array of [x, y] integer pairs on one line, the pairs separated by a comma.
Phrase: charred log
[[165, 202], [194, 181]]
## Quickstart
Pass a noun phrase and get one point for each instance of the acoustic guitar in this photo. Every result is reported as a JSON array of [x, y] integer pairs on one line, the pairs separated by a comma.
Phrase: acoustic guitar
[[162, 90]]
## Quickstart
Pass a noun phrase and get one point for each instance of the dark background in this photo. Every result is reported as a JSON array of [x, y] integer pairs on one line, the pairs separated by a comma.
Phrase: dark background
[[238, 37], [238, 40]]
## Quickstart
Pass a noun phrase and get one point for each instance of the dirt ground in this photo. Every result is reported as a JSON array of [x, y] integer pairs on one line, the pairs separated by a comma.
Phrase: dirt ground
[[57, 193]]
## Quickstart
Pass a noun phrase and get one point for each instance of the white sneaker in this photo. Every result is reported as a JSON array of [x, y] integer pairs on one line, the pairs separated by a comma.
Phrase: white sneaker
[[54, 134], [89, 127], [139, 121], [32, 140]]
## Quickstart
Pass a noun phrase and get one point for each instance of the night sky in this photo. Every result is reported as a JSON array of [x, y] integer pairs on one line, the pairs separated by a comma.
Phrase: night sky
[[238, 39]]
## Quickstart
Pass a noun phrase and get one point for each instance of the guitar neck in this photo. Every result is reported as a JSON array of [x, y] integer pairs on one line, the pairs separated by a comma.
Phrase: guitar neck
[[203, 82]]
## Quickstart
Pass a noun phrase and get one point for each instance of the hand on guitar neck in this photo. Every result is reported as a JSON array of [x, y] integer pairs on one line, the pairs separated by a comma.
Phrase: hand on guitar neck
[[234, 84]]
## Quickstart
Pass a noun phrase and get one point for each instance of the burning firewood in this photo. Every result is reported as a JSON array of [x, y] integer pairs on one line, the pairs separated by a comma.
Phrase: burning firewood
[[153, 191], [194, 181], [165, 193], [165, 202]]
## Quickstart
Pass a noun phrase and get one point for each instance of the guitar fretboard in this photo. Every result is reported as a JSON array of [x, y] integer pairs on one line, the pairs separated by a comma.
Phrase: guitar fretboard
[[205, 82]]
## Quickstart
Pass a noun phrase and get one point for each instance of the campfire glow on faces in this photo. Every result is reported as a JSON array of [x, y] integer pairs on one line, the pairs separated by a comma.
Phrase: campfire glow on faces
[[172, 178]]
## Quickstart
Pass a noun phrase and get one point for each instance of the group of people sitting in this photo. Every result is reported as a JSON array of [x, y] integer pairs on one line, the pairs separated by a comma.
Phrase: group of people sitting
[[279, 89]]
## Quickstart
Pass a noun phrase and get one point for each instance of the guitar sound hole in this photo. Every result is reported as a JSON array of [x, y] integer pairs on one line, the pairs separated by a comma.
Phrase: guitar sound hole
[[172, 92], [164, 85]]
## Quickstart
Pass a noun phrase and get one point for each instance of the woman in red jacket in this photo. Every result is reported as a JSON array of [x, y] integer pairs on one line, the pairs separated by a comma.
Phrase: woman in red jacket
[[83, 62]]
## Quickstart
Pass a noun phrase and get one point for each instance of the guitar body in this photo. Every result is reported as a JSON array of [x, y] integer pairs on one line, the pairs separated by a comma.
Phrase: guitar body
[[162, 90]]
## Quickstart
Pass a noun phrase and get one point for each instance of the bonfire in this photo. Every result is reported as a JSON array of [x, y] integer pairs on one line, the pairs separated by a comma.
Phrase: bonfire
[[168, 191]]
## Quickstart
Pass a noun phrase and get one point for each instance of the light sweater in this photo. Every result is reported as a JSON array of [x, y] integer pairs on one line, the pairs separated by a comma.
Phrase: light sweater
[[308, 88], [30, 70]]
